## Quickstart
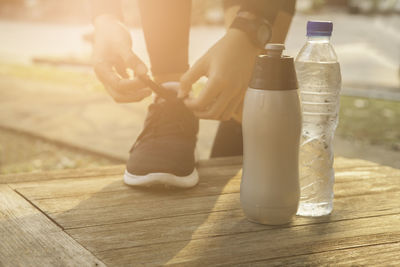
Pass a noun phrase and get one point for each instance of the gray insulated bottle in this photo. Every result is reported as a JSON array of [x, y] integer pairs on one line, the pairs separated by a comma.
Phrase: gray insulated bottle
[[269, 191]]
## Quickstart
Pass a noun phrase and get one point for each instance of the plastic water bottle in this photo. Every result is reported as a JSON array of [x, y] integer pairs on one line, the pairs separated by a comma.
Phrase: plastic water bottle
[[318, 73], [270, 191]]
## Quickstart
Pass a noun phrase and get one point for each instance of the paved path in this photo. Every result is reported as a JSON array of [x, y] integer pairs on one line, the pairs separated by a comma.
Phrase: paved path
[[79, 118]]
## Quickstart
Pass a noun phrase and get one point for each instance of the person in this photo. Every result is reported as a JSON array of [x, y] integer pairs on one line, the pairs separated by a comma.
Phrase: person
[[164, 151]]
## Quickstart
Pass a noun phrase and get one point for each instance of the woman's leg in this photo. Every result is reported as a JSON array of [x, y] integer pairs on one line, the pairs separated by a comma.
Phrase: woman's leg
[[166, 27]]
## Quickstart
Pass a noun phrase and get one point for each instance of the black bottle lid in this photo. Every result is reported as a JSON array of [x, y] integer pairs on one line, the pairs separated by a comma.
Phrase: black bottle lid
[[274, 71]]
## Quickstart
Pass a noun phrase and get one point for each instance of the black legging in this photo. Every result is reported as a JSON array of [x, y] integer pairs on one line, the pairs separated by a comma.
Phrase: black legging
[[166, 27]]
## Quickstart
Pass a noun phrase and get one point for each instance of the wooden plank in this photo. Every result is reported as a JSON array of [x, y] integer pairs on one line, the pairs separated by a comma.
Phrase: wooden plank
[[144, 210], [341, 162], [140, 204], [85, 214], [263, 245], [220, 163], [100, 171], [62, 174], [209, 177], [111, 192], [211, 180], [229, 222], [377, 255], [207, 212], [29, 238], [107, 196]]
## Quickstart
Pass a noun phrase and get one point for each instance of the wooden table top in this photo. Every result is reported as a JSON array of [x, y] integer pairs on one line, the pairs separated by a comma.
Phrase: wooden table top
[[90, 217]]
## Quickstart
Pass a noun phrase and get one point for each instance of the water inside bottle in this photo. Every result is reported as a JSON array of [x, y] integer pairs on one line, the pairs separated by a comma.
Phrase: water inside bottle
[[319, 91]]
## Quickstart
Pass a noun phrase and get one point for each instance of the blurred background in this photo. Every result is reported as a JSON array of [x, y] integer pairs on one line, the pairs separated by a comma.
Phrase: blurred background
[[54, 114]]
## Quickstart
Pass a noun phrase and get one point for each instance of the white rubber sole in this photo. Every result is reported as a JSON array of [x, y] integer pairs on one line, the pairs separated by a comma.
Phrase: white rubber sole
[[166, 179]]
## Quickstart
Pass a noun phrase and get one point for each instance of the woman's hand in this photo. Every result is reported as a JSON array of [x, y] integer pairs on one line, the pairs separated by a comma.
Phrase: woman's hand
[[113, 56], [228, 66]]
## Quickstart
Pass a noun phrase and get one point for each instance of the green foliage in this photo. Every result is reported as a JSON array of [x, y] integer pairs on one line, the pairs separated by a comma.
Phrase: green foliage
[[370, 120], [317, 4]]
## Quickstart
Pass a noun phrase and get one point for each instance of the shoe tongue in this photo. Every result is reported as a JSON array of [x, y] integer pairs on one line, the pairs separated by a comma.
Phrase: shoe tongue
[[169, 111], [166, 107], [172, 86], [171, 106]]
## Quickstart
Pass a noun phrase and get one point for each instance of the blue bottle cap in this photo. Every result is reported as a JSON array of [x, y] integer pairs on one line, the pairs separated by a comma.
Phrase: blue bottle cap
[[319, 28]]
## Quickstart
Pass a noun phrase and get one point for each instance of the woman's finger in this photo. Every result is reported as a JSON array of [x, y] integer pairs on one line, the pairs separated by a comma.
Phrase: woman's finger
[[191, 76], [105, 73], [132, 61], [215, 111], [232, 106], [207, 96], [120, 67]]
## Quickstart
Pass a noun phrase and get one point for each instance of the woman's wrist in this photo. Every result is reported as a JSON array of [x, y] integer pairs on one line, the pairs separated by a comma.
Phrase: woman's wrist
[[240, 36], [169, 77]]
